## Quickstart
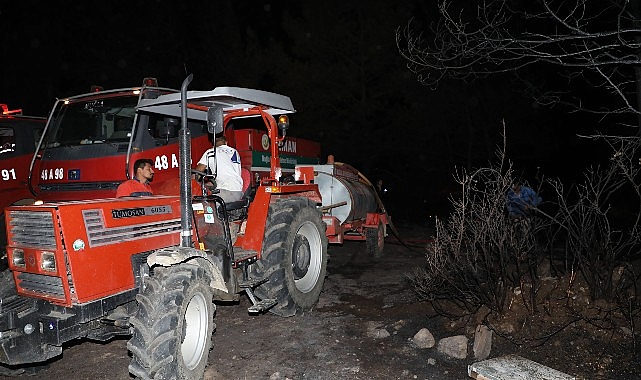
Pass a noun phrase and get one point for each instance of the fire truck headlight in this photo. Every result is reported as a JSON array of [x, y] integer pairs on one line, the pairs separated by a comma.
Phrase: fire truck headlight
[[48, 261], [17, 256]]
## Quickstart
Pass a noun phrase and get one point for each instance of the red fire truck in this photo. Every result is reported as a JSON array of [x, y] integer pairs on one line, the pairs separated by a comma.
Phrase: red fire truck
[[92, 140], [19, 136]]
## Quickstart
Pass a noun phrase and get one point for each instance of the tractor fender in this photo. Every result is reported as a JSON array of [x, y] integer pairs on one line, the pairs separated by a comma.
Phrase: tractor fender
[[167, 257]]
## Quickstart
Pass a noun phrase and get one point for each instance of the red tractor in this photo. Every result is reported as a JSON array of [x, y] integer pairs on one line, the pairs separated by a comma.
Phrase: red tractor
[[151, 267]]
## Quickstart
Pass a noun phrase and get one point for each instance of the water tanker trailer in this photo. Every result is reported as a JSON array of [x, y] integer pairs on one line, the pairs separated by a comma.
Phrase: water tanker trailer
[[351, 207]]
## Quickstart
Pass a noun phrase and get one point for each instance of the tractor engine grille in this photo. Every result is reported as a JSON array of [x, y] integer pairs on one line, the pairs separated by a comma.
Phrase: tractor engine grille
[[41, 284], [33, 229], [99, 234]]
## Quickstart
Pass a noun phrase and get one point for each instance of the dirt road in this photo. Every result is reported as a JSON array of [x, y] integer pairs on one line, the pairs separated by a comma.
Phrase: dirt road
[[344, 337]]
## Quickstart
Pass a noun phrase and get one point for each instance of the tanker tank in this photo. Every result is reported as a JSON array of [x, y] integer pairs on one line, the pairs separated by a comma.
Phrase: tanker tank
[[339, 184]]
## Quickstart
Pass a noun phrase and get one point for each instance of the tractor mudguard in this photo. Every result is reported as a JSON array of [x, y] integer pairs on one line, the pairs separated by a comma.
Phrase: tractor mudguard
[[174, 255]]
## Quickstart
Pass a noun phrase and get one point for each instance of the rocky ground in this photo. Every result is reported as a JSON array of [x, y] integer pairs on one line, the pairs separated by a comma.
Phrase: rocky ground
[[364, 328]]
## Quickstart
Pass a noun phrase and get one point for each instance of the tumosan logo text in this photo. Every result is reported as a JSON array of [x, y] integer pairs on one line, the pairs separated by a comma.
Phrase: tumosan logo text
[[139, 211]]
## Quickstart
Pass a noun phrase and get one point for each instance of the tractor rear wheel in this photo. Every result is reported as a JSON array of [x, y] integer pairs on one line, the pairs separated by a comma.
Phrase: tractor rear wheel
[[173, 325], [375, 240], [294, 256]]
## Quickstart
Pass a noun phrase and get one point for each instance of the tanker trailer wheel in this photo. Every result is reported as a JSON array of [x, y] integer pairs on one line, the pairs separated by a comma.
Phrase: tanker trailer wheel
[[375, 240], [294, 256], [173, 325]]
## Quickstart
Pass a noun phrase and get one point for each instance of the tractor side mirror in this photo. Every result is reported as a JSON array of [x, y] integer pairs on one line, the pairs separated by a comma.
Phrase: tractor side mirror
[[215, 119]]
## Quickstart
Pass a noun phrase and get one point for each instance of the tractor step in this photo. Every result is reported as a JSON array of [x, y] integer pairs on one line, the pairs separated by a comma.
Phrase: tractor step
[[251, 283], [262, 305], [243, 254], [259, 306]]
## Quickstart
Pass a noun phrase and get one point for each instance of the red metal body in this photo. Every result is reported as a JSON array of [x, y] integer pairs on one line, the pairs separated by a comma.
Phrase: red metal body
[[19, 136], [87, 157], [100, 176], [253, 145], [252, 239], [93, 242]]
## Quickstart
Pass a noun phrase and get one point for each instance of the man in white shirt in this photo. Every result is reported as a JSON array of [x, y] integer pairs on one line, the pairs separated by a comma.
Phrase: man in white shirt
[[228, 170]]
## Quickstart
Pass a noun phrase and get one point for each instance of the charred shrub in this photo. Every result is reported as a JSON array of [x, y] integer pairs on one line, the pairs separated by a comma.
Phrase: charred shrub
[[480, 252]]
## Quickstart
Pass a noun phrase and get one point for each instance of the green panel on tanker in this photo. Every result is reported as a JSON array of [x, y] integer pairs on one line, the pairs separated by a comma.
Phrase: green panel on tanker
[[261, 159]]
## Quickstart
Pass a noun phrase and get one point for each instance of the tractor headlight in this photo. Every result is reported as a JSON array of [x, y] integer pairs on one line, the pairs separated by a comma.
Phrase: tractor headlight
[[48, 261], [17, 256]]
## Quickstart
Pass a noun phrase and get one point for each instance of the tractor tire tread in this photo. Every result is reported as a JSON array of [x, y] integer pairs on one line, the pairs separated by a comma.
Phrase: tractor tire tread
[[155, 343]]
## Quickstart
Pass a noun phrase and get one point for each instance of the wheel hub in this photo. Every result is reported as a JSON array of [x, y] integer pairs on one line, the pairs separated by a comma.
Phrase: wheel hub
[[301, 256], [195, 331]]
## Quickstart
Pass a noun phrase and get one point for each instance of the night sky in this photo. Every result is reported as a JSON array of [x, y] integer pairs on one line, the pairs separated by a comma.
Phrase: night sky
[[337, 60]]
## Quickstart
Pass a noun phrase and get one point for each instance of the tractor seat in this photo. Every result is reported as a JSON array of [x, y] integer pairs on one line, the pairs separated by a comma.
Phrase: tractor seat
[[238, 209]]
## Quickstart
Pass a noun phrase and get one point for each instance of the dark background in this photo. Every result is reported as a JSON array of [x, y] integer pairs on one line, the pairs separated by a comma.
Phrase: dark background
[[337, 60]]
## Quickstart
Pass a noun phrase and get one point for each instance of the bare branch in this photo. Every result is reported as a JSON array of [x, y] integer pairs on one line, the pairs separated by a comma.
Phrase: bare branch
[[585, 40]]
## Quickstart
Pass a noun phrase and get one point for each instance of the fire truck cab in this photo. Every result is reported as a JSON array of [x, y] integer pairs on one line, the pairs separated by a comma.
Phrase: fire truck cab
[[92, 140]]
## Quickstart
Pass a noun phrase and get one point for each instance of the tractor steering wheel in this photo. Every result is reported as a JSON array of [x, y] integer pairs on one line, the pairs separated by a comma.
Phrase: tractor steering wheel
[[199, 175]]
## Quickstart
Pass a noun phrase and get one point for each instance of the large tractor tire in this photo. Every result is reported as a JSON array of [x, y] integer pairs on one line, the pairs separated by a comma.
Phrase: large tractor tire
[[294, 256], [375, 240], [173, 325]]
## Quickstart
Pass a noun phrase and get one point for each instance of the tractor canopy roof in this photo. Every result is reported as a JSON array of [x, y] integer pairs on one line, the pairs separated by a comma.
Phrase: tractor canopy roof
[[230, 98]]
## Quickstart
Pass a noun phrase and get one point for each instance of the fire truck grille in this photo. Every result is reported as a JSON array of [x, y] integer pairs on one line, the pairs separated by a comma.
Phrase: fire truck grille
[[41, 284], [33, 229], [80, 186], [98, 234]]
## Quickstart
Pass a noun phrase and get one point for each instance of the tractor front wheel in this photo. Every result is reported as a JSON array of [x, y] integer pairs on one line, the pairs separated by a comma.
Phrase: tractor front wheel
[[294, 256], [173, 325]]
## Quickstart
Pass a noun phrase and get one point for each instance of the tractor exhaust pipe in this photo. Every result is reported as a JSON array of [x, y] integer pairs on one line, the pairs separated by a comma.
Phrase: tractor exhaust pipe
[[184, 156]]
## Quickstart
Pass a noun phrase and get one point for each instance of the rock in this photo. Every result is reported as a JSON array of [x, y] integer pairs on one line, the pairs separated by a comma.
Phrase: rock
[[399, 324], [424, 339], [431, 361], [481, 314], [454, 346], [482, 342], [379, 334], [374, 330]]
